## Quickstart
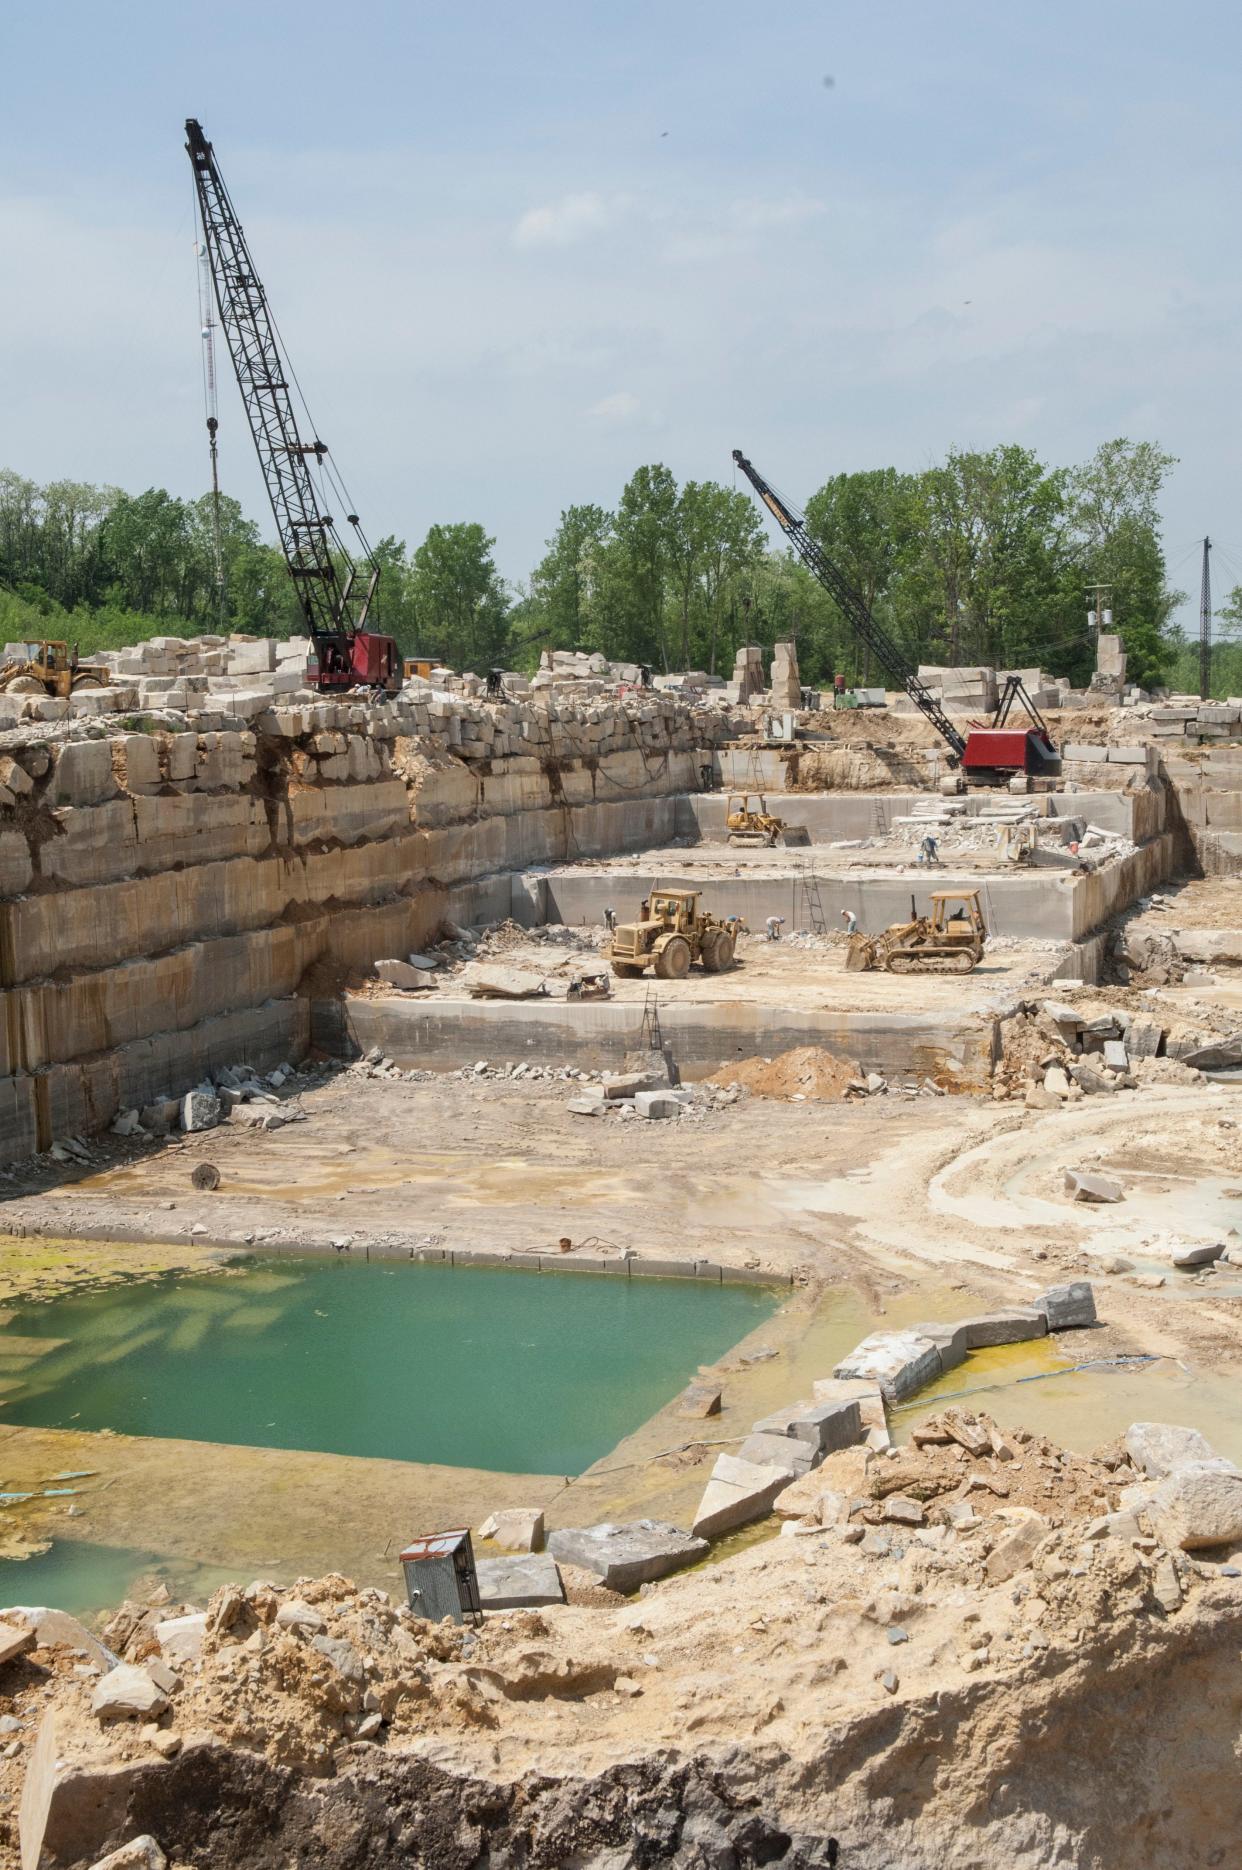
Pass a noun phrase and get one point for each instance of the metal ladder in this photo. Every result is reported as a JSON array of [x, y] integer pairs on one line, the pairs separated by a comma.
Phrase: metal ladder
[[650, 1036], [810, 900]]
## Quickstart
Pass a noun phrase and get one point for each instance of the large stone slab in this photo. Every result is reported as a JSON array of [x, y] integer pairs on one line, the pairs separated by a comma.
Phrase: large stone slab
[[128, 1693], [737, 1492], [899, 1361], [949, 1339], [796, 1457], [1069, 1307], [517, 1528], [520, 1583], [1013, 1326], [625, 1556], [16, 1639], [824, 1424]]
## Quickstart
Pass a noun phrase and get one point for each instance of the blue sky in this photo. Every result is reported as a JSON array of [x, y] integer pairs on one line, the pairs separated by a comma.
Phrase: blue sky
[[517, 250]]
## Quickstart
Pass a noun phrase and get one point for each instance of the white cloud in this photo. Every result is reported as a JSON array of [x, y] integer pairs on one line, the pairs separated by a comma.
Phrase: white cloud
[[621, 407], [561, 223], [754, 217]]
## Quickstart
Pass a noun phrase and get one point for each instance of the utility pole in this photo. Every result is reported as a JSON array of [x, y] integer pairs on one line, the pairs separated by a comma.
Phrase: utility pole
[[1100, 615], [1205, 625]]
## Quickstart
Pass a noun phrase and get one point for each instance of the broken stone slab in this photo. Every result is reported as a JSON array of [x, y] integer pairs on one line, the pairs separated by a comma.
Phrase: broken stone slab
[[1085, 1185], [899, 1361], [1220, 1055], [656, 1104], [141, 1853], [737, 1492], [949, 1339], [825, 1424], [402, 974], [629, 1083], [1165, 1585], [1187, 1253], [200, 1110], [867, 1394], [128, 1693], [520, 1583], [1070, 1307], [518, 1528], [1057, 1081], [796, 1457], [700, 1399], [1160, 1448], [625, 1556], [1012, 1326], [903, 1511], [1143, 1036], [1116, 1057], [425, 961], [586, 1106], [181, 1638], [1196, 1506], [1015, 1550], [16, 1639]]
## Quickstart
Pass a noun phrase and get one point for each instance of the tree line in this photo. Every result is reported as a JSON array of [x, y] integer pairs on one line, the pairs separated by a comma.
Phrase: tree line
[[986, 557]]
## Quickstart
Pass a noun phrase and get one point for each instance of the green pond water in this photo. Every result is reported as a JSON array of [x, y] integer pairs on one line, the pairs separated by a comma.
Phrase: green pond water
[[511, 1371]]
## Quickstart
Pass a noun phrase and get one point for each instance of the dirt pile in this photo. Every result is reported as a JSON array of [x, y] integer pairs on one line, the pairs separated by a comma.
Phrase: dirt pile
[[913, 1680], [805, 1072]]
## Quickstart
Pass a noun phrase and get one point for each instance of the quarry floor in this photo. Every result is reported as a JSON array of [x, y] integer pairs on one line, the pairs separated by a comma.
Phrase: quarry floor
[[895, 1209]]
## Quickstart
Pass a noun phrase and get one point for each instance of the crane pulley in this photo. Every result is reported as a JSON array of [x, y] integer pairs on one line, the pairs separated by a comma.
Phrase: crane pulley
[[335, 594], [995, 749]]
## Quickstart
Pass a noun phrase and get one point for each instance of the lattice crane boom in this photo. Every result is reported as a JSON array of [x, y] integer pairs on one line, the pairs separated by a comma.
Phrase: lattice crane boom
[[890, 658], [334, 593]]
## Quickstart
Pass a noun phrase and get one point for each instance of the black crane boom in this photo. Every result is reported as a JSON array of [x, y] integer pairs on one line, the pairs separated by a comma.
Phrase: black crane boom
[[334, 594], [890, 658]]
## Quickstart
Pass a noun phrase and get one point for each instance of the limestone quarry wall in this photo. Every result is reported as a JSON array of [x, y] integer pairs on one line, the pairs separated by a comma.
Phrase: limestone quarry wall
[[164, 894]]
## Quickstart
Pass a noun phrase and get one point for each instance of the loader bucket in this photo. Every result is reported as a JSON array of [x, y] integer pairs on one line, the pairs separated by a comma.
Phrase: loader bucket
[[859, 955]]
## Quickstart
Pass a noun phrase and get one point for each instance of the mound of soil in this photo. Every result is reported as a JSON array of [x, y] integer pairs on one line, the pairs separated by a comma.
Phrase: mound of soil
[[808, 1071]]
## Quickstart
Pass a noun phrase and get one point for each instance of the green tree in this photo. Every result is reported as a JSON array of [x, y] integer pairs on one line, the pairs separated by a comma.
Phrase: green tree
[[867, 524], [459, 604], [565, 584], [1115, 523], [639, 565]]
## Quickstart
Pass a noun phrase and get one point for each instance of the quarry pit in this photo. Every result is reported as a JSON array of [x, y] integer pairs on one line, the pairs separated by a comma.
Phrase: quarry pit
[[200, 908]]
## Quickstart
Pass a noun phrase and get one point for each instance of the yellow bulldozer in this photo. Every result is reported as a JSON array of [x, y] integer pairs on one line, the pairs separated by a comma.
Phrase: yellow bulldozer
[[948, 941], [753, 823], [50, 668], [672, 934]]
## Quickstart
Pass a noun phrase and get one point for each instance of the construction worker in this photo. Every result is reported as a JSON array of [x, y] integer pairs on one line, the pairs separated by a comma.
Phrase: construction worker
[[774, 925], [610, 919], [850, 920], [928, 853]]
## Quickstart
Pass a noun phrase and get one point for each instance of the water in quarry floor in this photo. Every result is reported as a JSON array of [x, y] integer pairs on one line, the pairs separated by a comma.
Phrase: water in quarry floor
[[508, 1371]]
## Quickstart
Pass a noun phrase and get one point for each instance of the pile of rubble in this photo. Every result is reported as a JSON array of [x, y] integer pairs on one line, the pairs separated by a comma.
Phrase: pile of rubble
[[1052, 1052], [975, 1575]]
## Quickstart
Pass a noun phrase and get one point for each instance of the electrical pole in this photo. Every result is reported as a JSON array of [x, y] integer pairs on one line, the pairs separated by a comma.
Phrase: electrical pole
[[1205, 625]]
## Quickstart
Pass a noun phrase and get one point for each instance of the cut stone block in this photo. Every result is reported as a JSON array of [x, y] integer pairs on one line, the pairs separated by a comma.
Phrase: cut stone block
[[949, 1339], [737, 1493], [655, 1104], [899, 1361], [521, 1583], [200, 1110], [402, 974], [700, 1399], [629, 1083], [824, 1424], [1083, 1185], [517, 1528], [1068, 1307], [1116, 1056], [625, 1556], [1007, 1327], [796, 1457]]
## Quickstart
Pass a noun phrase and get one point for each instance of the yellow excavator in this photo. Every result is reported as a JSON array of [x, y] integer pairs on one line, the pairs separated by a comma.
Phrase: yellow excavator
[[948, 941], [50, 668]]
